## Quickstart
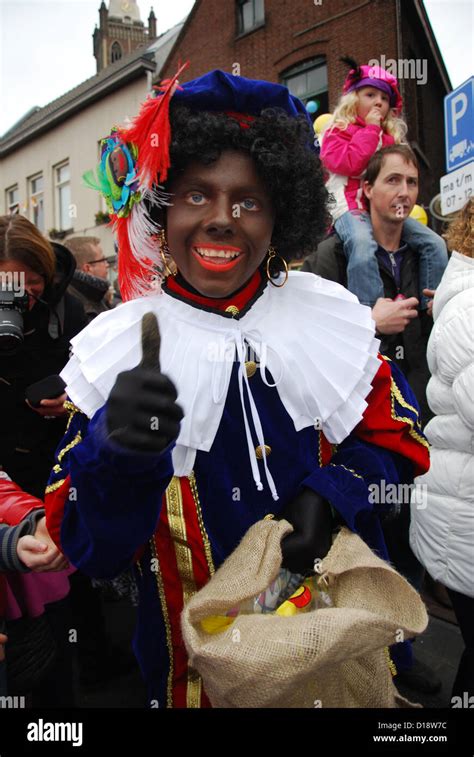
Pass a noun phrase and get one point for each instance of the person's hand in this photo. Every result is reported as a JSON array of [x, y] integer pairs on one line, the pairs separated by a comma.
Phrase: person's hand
[[3, 641], [392, 317], [39, 552], [51, 408], [310, 516], [374, 116], [142, 413], [429, 293]]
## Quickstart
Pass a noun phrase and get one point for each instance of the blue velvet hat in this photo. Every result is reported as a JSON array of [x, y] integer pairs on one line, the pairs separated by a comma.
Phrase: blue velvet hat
[[220, 91]]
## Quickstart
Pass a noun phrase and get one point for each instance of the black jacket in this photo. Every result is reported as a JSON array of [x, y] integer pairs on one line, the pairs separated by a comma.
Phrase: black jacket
[[90, 290], [28, 441], [407, 349]]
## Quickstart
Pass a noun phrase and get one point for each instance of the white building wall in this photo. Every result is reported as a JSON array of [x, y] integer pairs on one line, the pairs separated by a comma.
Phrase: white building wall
[[76, 140]]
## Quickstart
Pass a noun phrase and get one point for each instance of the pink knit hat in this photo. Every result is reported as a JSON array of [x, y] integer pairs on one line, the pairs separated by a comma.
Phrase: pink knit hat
[[374, 76]]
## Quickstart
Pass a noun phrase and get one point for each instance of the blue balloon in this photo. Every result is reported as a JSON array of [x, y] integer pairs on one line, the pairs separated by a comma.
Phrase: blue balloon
[[312, 106]]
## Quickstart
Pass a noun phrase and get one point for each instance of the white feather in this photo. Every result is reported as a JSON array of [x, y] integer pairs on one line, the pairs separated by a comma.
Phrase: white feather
[[144, 244]]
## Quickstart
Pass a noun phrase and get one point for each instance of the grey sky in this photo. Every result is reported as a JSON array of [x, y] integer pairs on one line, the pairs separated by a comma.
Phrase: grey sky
[[46, 45]]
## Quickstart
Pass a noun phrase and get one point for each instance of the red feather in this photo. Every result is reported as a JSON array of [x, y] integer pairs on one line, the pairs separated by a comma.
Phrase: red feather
[[150, 132], [130, 270]]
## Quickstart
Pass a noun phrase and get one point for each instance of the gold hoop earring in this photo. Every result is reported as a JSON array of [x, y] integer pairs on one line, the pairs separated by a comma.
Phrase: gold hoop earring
[[165, 250], [271, 256]]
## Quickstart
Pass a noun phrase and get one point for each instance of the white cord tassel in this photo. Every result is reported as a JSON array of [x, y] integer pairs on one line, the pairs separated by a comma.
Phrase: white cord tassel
[[257, 424]]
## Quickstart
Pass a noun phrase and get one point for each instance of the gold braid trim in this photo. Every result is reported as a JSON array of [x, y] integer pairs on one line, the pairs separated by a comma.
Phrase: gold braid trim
[[166, 619], [179, 536], [204, 534], [57, 468], [391, 665], [349, 470], [72, 410], [320, 451], [74, 443], [396, 394], [71, 407], [177, 526], [412, 431], [320, 454], [400, 399], [53, 487]]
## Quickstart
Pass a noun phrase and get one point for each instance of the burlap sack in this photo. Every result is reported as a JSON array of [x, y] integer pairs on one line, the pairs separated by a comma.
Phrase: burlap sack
[[331, 657]]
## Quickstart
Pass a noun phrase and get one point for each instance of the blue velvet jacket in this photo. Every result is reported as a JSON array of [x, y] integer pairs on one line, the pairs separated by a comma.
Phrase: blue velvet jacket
[[109, 508]]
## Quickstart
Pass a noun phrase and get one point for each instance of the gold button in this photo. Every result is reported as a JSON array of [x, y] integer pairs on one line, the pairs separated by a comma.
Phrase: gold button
[[262, 452], [250, 368], [269, 516], [232, 309]]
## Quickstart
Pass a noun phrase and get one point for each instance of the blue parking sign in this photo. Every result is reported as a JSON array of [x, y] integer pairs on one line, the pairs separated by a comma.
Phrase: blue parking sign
[[459, 125]]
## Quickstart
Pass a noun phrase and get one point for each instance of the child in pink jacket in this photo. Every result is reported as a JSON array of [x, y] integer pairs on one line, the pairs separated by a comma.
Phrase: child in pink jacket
[[365, 120]]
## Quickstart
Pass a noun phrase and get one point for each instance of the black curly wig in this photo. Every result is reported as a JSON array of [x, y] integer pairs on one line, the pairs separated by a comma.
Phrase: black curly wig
[[280, 147]]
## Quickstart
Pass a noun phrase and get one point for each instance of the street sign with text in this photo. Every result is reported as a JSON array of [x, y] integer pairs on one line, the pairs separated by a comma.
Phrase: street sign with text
[[459, 125], [456, 188]]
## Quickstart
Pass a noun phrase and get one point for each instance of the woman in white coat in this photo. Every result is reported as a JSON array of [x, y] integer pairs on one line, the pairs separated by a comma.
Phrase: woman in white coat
[[442, 526]]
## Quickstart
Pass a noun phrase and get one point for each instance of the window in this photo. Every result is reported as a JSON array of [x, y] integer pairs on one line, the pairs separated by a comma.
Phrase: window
[[63, 196], [13, 200], [36, 187], [309, 81], [115, 52], [250, 14]]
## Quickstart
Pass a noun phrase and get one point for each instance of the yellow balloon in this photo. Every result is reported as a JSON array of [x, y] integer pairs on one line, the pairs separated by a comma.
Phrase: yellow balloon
[[321, 122], [419, 214]]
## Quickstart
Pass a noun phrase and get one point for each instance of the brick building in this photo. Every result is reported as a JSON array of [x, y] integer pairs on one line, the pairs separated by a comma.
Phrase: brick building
[[299, 43]]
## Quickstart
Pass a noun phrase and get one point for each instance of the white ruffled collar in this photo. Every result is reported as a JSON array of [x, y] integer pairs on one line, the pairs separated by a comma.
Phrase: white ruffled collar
[[312, 335]]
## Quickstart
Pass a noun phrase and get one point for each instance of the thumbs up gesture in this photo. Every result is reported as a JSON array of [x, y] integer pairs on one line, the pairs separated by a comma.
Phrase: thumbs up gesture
[[141, 411]]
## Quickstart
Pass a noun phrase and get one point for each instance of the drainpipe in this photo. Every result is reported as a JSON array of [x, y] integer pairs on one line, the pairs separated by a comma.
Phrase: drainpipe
[[398, 13], [149, 81]]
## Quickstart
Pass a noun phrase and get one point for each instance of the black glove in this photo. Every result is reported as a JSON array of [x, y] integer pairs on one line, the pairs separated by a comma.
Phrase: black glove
[[310, 515], [141, 411]]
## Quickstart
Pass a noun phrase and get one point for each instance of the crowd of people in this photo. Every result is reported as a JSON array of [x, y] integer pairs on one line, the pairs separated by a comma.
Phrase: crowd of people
[[135, 452]]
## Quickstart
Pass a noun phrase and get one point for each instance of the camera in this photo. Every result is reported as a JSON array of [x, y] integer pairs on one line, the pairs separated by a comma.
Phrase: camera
[[12, 307]]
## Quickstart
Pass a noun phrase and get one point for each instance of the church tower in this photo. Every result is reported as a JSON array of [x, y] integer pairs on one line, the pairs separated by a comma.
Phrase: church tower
[[120, 31]]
